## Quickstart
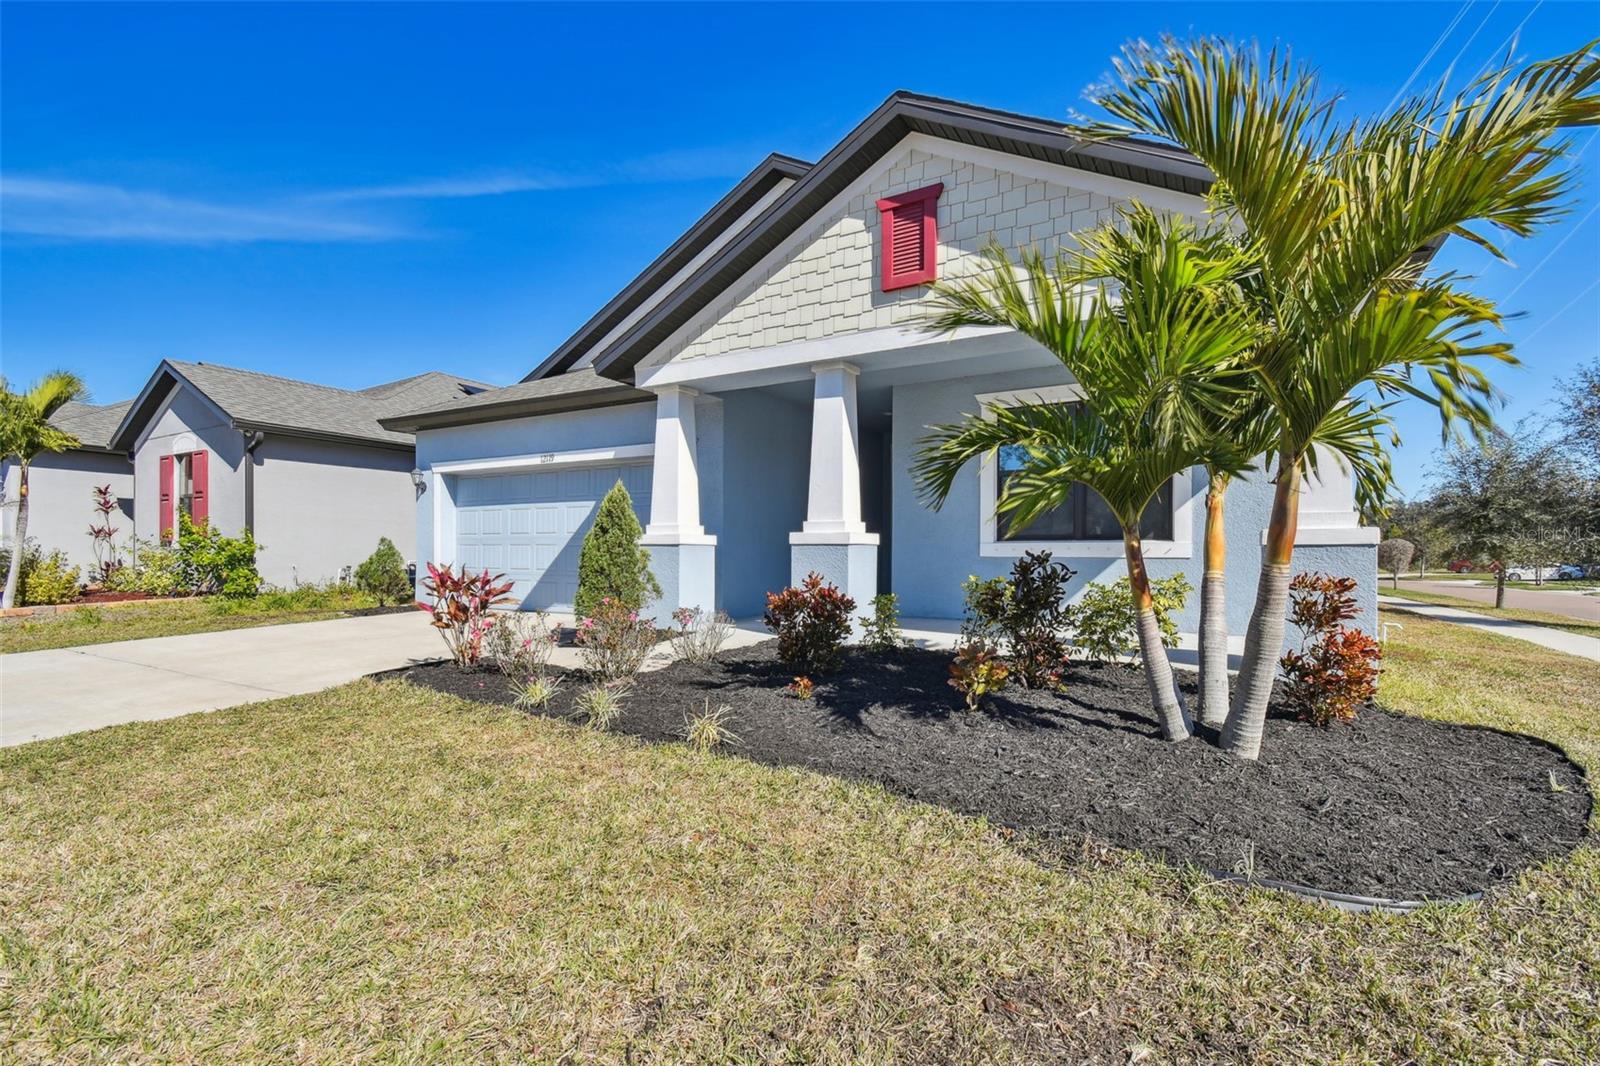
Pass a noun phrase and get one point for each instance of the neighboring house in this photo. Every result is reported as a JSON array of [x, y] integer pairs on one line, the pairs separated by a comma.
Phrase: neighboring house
[[62, 484], [306, 467], [761, 388]]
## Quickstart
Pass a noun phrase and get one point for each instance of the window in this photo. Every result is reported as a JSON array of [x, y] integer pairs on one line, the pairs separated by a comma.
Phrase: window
[[184, 490], [1083, 526], [1084, 516], [910, 240], [186, 484]]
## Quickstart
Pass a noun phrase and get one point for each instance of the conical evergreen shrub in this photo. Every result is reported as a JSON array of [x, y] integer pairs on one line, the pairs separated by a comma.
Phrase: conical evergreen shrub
[[612, 563]]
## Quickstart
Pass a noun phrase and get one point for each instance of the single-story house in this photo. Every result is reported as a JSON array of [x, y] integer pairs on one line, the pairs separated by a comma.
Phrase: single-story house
[[761, 389], [306, 467], [62, 484]]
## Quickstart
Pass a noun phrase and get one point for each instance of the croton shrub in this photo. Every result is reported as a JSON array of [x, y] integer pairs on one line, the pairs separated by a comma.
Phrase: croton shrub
[[1335, 671], [812, 621]]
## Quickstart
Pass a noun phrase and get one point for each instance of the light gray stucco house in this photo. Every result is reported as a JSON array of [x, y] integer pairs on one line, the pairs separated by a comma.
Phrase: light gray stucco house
[[306, 467], [761, 389], [62, 484]]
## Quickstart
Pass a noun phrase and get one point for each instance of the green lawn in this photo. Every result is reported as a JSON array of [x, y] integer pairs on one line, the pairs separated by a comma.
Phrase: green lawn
[[1581, 626], [168, 618], [378, 873]]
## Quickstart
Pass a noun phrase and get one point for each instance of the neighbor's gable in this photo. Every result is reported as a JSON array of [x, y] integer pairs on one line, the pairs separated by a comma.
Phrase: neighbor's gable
[[828, 278]]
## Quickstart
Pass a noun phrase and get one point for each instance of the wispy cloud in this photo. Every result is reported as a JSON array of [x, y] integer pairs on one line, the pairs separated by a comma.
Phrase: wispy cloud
[[90, 211], [86, 211]]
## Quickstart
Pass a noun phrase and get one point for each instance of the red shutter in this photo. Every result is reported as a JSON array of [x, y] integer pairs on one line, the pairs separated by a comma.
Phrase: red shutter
[[168, 470], [201, 508], [910, 243]]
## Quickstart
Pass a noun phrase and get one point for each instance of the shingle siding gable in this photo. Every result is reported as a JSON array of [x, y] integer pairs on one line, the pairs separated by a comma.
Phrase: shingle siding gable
[[830, 283]]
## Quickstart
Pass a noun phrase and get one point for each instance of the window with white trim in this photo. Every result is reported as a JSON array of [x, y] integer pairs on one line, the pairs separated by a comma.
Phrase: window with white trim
[[1083, 525]]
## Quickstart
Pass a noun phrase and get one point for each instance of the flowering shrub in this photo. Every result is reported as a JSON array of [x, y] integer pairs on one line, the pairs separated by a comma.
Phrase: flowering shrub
[[881, 632], [615, 640], [801, 688], [519, 643], [978, 671], [1028, 612], [461, 609], [1336, 669], [812, 623], [701, 634]]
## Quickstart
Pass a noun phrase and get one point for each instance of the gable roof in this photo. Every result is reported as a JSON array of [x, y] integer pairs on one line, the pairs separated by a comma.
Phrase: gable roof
[[575, 390], [724, 213], [92, 424], [256, 401], [903, 113]]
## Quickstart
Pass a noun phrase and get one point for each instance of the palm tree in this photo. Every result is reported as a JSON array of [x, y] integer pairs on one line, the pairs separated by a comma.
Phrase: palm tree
[[1345, 219], [1147, 321], [25, 431]]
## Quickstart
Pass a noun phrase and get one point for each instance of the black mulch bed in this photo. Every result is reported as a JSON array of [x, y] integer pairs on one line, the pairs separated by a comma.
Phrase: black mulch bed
[[1391, 806]]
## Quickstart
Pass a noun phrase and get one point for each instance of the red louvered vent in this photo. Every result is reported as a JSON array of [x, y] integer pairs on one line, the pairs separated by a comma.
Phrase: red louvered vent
[[909, 223]]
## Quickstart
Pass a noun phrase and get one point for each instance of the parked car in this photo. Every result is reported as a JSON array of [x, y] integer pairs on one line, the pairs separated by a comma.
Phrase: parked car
[[1462, 566], [1577, 571], [1526, 572]]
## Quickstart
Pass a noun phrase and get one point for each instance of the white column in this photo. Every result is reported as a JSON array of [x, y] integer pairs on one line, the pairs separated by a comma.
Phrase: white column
[[675, 474], [833, 503]]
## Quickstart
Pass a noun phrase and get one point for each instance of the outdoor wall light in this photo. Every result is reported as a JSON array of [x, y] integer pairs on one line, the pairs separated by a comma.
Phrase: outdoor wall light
[[419, 481]]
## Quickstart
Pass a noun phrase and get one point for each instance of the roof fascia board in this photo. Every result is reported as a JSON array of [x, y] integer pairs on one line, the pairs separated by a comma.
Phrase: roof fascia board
[[771, 170], [333, 438], [179, 383], [899, 108], [530, 407]]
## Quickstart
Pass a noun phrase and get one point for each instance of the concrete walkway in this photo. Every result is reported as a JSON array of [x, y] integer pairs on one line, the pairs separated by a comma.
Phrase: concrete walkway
[[1558, 639], [67, 690]]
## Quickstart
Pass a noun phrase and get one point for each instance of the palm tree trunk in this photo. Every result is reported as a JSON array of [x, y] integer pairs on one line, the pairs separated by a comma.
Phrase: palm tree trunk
[[1165, 696], [19, 538], [1213, 611], [1263, 642]]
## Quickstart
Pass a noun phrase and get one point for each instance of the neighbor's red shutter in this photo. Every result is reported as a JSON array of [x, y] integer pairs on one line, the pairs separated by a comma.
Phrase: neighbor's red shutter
[[167, 521], [202, 498], [910, 237]]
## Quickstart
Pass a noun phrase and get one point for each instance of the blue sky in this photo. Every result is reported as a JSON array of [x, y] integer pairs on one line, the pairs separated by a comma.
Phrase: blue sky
[[350, 194]]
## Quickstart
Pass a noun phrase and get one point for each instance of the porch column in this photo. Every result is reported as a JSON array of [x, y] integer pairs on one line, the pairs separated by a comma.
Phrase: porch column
[[682, 553], [833, 541]]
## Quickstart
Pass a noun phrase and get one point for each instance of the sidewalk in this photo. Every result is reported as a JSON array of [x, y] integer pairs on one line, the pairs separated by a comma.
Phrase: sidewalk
[[1557, 639]]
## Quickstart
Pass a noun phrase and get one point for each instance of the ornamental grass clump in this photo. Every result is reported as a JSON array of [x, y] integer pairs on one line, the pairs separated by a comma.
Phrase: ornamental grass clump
[[462, 606], [537, 692], [600, 704], [812, 621], [611, 564], [707, 731], [1335, 671]]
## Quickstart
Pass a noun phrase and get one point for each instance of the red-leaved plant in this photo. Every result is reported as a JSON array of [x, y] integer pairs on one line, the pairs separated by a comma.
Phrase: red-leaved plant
[[462, 606], [101, 533], [812, 622], [1335, 671]]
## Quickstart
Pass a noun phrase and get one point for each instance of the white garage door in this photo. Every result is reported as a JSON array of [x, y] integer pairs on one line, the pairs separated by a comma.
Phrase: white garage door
[[531, 526]]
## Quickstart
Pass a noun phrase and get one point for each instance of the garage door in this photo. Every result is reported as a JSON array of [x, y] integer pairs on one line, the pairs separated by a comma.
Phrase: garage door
[[531, 526]]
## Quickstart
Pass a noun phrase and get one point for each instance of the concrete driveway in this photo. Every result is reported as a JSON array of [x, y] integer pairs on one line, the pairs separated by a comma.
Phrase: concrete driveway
[[53, 693]]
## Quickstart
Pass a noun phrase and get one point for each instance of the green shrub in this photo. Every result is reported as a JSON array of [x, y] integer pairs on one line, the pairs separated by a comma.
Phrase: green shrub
[[45, 579], [881, 632], [384, 575], [216, 563], [1104, 627], [1028, 613], [612, 564], [155, 569]]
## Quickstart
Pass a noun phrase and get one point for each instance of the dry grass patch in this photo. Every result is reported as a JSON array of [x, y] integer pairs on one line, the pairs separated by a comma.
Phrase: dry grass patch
[[379, 873]]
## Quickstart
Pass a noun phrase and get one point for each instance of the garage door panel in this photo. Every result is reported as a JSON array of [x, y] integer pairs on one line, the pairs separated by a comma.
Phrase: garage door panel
[[531, 526]]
